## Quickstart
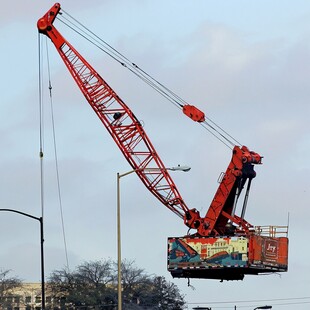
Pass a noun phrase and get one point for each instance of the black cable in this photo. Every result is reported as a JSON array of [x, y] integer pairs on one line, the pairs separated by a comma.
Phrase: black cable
[[176, 100], [129, 66], [41, 135], [56, 159]]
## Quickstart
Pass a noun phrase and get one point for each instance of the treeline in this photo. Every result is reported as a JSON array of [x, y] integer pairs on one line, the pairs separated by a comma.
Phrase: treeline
[[93, 285]]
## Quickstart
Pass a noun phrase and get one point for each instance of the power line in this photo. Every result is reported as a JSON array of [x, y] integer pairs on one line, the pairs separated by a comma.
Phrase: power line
[[279, 302]]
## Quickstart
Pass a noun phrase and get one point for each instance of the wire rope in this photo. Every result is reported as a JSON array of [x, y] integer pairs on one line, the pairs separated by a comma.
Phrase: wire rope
[[41, 134], [176, 100], [56, 157], [41, 138], [129, 66]]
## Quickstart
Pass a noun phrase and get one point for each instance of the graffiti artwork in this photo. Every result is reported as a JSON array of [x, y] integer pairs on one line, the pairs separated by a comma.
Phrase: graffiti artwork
[[207, 253]]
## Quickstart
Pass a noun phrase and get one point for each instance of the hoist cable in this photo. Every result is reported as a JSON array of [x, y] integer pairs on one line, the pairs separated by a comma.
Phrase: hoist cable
[[41, 135], [54, 138], [176, 100], [56, 157]]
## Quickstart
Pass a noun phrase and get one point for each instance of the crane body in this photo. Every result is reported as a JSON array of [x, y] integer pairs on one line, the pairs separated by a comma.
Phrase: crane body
[[224, 245]]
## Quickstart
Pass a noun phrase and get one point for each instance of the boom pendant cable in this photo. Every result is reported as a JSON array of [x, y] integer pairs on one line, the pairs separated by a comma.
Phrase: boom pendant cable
[[130, 66], [54, 143], [176, 100]]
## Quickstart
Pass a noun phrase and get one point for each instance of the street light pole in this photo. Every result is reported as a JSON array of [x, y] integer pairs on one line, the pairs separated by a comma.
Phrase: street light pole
[[119, 256], [40, 219]]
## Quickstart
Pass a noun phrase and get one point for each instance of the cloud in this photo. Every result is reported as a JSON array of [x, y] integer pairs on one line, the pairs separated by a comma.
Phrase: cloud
[[252, 82]]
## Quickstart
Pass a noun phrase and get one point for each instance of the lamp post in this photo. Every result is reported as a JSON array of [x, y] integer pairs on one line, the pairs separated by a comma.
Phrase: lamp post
[[40, 219], [263, 307], [119, 257]]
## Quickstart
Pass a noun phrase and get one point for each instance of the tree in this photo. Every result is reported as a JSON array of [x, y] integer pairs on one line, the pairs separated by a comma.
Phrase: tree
[[167, 294], [156, 293], [95, 278], [94, 284], [7, 284], [134, 282], [142, 291], [89, 285]]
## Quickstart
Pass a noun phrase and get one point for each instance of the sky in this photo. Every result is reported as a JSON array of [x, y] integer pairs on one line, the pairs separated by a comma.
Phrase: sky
[[244, 63]]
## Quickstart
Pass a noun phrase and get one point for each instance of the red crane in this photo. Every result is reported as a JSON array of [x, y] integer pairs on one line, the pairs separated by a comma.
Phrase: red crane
[[220, 222]]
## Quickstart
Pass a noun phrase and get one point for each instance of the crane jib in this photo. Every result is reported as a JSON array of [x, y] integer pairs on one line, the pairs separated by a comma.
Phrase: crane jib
[[118, 119]]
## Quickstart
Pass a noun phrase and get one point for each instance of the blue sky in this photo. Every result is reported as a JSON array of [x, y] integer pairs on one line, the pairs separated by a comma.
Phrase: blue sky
[[244, 63]]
